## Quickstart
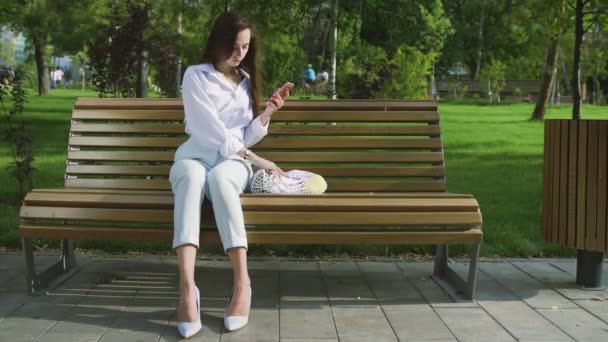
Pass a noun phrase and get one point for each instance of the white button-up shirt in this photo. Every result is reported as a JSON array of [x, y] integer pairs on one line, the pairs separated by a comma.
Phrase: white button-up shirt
[[218, 118]]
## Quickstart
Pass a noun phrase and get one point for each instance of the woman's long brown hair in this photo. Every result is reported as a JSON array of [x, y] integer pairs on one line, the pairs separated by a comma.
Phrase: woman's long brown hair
[[220, 44]]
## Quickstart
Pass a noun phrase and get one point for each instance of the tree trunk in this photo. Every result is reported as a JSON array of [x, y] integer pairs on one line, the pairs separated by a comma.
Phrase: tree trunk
[[576, 63], [565, 76], [41, 65], [480, 42], [547, 77], [141, 88], [334, 46]]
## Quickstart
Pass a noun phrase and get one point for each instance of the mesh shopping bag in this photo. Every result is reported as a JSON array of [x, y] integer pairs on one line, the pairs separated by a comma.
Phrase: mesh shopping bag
[[296, 182]]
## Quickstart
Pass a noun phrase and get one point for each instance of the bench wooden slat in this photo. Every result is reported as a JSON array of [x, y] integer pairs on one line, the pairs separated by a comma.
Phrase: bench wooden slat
[[178, 128], [268, 143], [330, 143], [163, 170], [332, 185], [259, 202], [324, 195], [167, 142], [419, 130], [469, 236], [142, 128], [280, 116], [132, 114], [176, 104], [264, 218], [285, 157]]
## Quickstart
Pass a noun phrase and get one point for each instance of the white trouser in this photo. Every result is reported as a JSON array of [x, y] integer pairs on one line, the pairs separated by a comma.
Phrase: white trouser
[[223, 183]]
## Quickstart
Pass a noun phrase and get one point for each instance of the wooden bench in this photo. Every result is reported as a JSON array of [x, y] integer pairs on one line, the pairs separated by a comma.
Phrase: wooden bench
[[526, 87], [383, 161]]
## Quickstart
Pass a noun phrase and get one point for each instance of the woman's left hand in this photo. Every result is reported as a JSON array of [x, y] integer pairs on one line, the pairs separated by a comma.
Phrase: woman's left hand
[[275, 102]]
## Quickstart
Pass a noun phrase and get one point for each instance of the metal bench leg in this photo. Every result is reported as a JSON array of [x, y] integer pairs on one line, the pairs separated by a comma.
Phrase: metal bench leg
[[30, 268], [36, 282], [441, 261], [451, 281]]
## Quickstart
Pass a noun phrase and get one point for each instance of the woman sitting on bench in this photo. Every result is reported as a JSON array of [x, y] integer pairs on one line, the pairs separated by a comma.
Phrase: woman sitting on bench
[[220, 99]]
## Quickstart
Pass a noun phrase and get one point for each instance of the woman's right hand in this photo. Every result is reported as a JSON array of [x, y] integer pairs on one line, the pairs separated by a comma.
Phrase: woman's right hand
[[266, 165]]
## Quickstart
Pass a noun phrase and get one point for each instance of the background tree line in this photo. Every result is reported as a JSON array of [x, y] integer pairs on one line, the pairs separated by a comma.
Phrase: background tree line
[[384, 48]]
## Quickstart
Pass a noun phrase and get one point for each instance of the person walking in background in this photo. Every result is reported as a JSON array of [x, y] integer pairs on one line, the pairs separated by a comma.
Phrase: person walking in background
[[310, 78], [56, 77]]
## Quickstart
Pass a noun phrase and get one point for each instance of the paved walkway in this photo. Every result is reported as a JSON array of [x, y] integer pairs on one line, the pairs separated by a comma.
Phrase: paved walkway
[[133, 299]]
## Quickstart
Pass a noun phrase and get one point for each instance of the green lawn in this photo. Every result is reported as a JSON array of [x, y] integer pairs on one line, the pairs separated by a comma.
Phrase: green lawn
[[492, 151]]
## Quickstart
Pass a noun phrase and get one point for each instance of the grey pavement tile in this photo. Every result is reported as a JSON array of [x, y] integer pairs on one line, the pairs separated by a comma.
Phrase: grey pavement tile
[[68, 337], [301, 284], [598, 308], [413, 270], [578, 323], [431, 291], [349, 291], [299, 266], [32, 320], [215, 284], [362, 324], [297, 318], [265, 290], [415, 320], [339, 268], [522, 321], [560, 280], [307, 340], [545, 272], [263, 325], [211, 331], [473, 324], [570, 267], [255, 266], [530, 290], [9, 274], [392, 288], [84, 321], [11, 302], [379, 268]]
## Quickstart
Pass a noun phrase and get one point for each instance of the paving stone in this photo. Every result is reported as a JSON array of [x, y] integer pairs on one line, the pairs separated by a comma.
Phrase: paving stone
[[297, 318], [68, 337], [415, 320], [263, 326], [349, 291], [598, 308], [362, 324], [561, 281], [302, 284], [578, 323], [378, 268], [570, 267], [473, 324], [391, 288], [339, 268], [522, 321], [212, 329], [300, 265], [530, 290], [31, 320]]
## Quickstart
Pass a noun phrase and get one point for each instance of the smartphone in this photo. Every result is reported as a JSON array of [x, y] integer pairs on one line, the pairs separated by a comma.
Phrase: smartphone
[[285, 89]]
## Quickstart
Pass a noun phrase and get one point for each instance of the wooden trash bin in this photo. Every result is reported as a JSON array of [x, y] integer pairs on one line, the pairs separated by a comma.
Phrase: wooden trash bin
[[576, 192]]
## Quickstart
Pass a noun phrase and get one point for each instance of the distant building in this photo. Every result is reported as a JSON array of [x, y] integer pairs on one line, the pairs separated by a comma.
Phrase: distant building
[[12, 47]]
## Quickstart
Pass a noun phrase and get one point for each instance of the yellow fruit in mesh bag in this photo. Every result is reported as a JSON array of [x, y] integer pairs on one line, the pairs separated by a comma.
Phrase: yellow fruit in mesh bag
[[315, 185]]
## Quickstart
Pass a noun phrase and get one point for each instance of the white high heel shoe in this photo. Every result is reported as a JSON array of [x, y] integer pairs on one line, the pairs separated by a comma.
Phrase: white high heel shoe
[[232, 323], [188, 329]]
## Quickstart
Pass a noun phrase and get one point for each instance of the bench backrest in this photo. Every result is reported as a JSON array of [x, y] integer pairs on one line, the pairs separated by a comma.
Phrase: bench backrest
[[374, 145]]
